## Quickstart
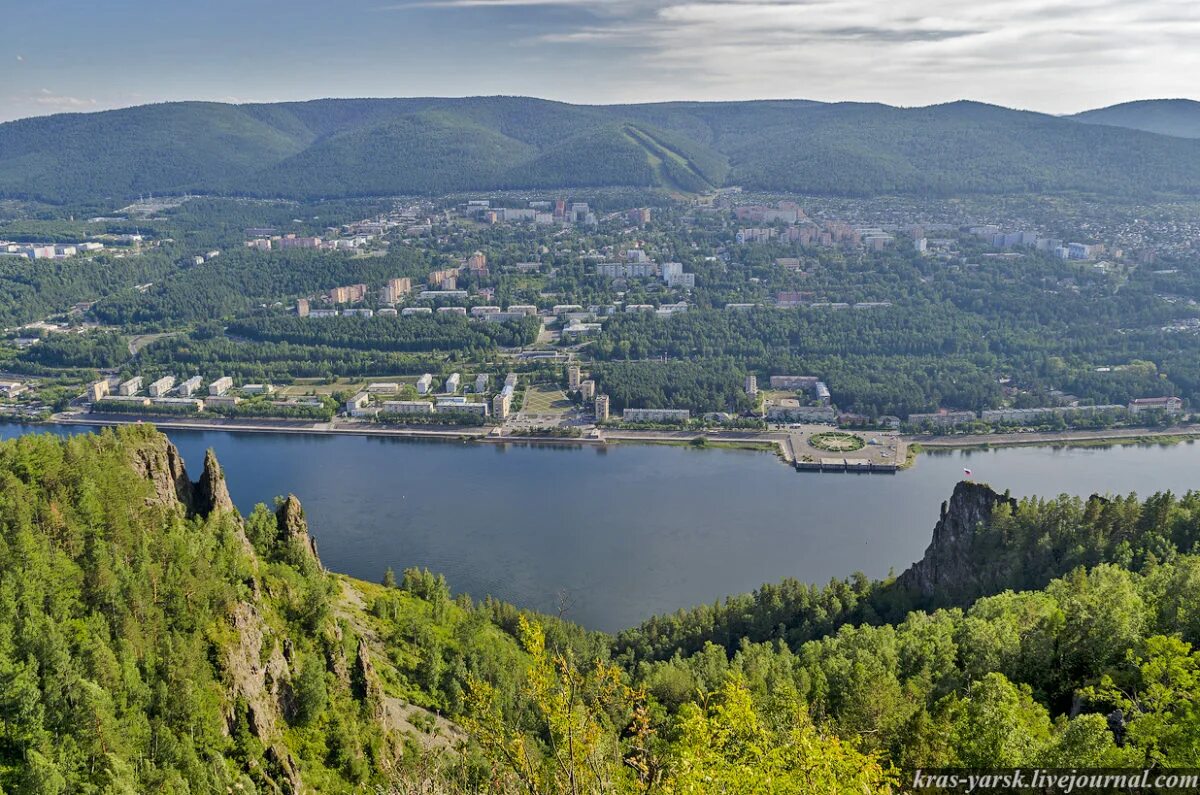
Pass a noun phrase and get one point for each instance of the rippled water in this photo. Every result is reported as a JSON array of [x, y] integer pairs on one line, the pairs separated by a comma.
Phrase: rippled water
[[621, 533]]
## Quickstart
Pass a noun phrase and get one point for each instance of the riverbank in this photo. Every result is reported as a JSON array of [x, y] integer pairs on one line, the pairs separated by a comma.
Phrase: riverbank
[[727, 439], [790, 446], [1100, 438]]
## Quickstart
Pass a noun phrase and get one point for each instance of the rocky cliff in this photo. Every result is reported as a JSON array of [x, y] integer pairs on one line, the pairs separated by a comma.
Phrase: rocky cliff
[[951, 567], [256, 664], [293, 527], [158, 460]]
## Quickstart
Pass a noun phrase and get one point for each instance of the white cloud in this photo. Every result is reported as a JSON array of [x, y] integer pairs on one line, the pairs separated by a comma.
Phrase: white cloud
[[1056, 55], [49, 99]]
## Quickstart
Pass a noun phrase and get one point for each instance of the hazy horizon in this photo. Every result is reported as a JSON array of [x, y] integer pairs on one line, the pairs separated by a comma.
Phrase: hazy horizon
[[182, 100], [1060, 57]]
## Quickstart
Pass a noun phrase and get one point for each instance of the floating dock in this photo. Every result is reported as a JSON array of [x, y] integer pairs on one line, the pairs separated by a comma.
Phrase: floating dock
[[847, 465]]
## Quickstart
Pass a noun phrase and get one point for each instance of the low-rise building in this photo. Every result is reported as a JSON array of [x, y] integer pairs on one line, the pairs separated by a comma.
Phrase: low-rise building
[[943, 419], [258, 389], [408, 311], [791, 410], [656, 415], [98, 390], [222, 401], [576, 330], [120, 402], [407, 407], [458, 403], [357, 403], [220, 386], [162, 386], [190, 386], [1043, 413], [821, 391], [452, 383], [383, 388], [794, 383], [481, 382], [130, 387], [425, 384], [194, 404], [1170, 405]]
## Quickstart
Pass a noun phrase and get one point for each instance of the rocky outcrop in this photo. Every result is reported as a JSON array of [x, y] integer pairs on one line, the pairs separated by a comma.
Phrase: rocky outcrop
[[159, 461], [293, 528], [259, 678], [949, 567], [365, 681], [210, 492]]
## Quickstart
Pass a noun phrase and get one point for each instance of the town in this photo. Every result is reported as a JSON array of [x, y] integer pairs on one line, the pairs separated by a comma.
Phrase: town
[[484, 314]]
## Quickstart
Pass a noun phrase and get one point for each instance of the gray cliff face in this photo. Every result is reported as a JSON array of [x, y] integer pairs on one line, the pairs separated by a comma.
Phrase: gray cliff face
[[211, 493], [947, 567], [293, 527], [256, 665], [159, 461]]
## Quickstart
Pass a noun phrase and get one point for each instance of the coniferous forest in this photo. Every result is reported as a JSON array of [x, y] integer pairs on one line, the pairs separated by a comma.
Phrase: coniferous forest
[[152, 639]]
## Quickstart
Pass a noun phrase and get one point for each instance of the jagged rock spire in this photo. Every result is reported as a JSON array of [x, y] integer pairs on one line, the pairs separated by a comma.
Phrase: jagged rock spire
[[211, 493], [294, 526], [949, 567]]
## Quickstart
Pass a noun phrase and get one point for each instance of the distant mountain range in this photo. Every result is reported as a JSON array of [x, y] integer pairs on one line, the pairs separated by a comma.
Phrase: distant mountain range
[[1177, 117], [360, 147]]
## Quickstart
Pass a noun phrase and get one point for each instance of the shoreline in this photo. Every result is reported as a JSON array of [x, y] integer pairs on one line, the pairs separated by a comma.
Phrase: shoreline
[[1111, 437], [774, 442]]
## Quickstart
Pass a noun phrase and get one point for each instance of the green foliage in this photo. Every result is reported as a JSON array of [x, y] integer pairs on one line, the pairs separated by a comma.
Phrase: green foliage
[[146, 648], [89, 351], [415, 333], [310, 691], [712, 386], [338, 148]]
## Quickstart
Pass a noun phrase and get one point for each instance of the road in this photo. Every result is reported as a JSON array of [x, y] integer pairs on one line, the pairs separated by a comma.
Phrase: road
[[1115, 435]]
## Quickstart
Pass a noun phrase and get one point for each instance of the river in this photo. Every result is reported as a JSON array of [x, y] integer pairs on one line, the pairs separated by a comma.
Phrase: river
[[613, 535]]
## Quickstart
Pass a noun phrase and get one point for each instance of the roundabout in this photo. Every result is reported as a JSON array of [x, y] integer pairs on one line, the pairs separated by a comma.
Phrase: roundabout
[[837, 442]]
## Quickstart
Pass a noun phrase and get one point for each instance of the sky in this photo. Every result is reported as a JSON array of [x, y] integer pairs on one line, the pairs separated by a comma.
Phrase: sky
[[1056, 56]]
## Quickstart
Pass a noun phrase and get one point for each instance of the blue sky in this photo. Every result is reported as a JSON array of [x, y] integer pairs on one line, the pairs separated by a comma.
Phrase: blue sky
[[1050, 55]]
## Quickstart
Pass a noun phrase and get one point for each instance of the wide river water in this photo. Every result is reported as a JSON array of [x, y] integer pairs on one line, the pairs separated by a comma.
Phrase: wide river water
[[615, 535]]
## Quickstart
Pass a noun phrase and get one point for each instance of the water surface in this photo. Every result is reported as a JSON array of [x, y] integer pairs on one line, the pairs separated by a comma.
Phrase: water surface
[[621, 533]]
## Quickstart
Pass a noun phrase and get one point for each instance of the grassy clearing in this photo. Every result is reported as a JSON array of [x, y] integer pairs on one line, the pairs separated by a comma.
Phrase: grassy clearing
[[543, 399]]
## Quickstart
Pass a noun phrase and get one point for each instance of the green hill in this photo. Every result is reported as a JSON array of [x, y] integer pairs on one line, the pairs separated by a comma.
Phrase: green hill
[[356, 147], [152, 639], [1177, 117]]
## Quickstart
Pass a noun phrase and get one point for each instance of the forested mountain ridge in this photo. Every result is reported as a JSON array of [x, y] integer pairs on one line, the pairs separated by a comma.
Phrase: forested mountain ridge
[[1178, 117], [337, 148], [153, 640]]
